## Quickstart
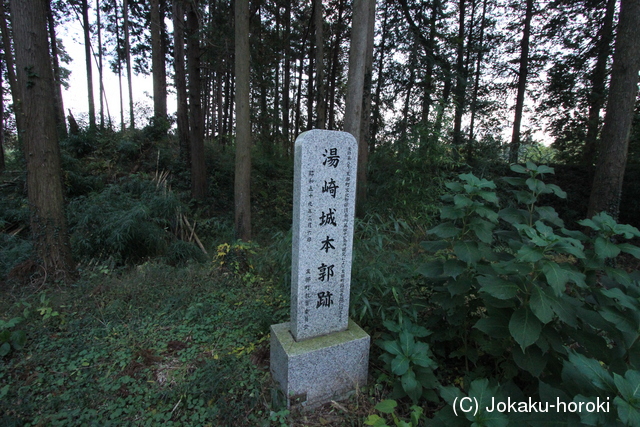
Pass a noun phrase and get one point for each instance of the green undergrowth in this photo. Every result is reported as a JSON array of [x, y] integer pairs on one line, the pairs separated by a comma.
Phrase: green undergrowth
[[149, 345]]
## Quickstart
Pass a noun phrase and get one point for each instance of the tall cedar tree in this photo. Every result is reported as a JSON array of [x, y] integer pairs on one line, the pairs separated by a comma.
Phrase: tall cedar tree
[[242, 188], [360, 33], [88, 57], [523, 72], [196, 125], [180, 80], [158, 62], [11, 73], [614, 143], [2, 162], [42, 152]]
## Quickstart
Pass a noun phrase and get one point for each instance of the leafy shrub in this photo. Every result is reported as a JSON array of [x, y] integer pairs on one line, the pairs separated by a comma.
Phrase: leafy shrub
[[520, 299], [130, 220]]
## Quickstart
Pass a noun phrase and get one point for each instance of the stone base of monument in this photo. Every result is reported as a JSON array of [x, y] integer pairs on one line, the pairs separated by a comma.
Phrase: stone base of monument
[[317, 370]]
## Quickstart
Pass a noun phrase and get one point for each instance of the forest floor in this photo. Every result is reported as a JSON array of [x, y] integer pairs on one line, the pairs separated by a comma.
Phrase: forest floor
[[152, 345]]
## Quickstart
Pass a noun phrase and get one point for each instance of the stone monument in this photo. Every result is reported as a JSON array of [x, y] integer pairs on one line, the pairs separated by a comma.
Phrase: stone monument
[[321, 355]]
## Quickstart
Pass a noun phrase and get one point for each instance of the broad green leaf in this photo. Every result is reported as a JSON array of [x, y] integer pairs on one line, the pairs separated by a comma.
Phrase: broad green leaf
[[434, 245], [445, 230], [431, 269], [451, 212], [18, 339], [544, 169], [531, 360], [5, 348], [387, 406], [462, 201], [565, 311], [407, 343], [605, 248], [454, 186], [524, 327], [483, 229], [411, 386], [628, 231], [624, 321], [487, 213], [515, 181], [519, 169], [630, 249], [493, 327], [453, 268], [420, 356], [536, 186], [540, 304], [497, 287], [529, 254], [557, 191], [392, 347], [450, 393], [511, 215], [547, 213], [400, 365], [375, 421], [559, 274], [489, 196], [467, 251], [622, 298], [629, 414], [459, 286], [593, 371]]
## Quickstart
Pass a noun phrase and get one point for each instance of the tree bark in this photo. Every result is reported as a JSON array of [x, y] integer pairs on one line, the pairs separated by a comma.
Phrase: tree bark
[[11, 70], [598, 81], [100, 69], [476, 83], [157, 62], [364, 145], [607, 182], [333, 76], [461, 81], [321, 108], [58, 105], [127, 53], [87, 54], [242, 187], [115, 8], [360, 33], [2, 161], [42, 153], [523, 72], [180, 81], [286, 95], [196, 131]]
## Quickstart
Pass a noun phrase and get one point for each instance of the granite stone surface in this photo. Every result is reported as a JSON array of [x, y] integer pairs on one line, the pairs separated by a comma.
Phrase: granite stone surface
[[323, 215], [317, 370]]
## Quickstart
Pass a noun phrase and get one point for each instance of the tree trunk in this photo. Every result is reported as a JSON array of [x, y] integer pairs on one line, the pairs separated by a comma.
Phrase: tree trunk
[[598, 81], [100, 69], [623, 90], [115, 8], [461, 81], [364, 145], [87, 53], [376, 115], [333, 76], [127, 53], [11, 70], [42, 152], [360, 33], [321, 108], [57, 93], [2, 161], [180, 81], [157, 62], [286, 97], [522, 83], [196, 131], [242, 187], [476, 83]]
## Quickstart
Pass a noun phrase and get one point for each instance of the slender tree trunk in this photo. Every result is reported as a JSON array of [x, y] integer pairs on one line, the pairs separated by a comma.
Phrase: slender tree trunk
[[87, 54], [286, 90], [364, 145], [2, 161], [461, 83], [404, 120], [321, 108], [242, 187], [333, 75], [11, 70], [310, 90], [623, 91], [360, 33], [100, 69], [428, 78], [115, 8], [196, 135], [42, 152], [127, 53], [180, 81], [522, 83], [476, 83], [442, 106], [58, 105], [598, 81], [158, 62], [299, 95], [376, 115]]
